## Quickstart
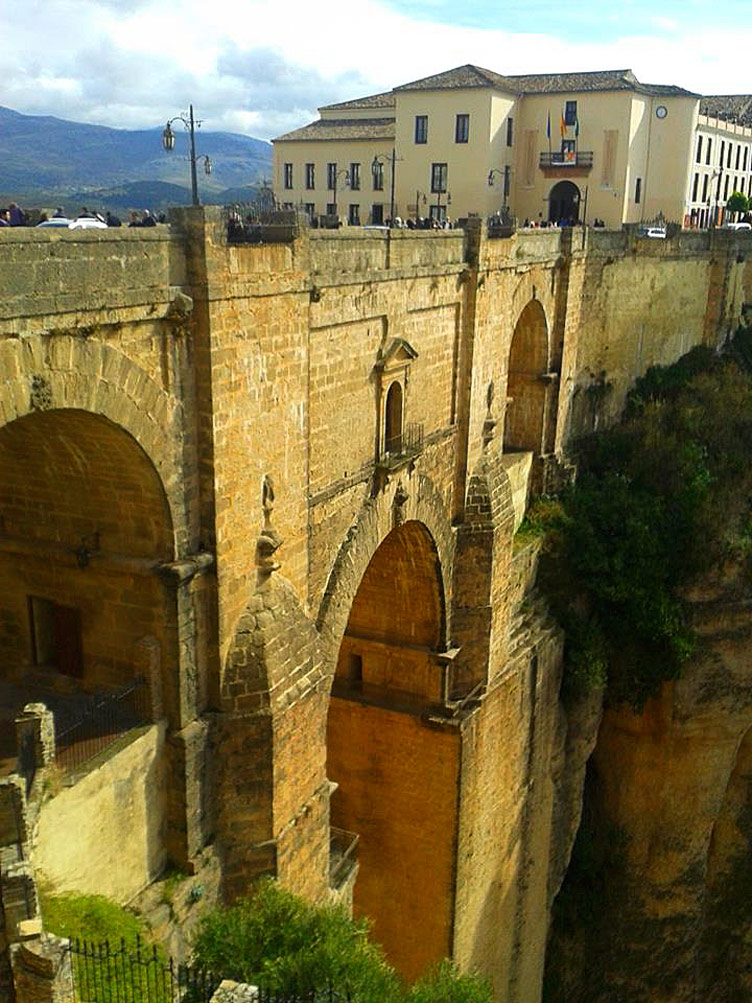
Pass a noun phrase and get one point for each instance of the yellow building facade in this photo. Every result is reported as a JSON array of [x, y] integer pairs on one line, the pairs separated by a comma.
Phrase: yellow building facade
[[548, 147]]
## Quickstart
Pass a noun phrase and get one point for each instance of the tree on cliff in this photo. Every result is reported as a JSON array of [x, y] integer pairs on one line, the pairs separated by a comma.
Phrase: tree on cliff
[[661, 500]]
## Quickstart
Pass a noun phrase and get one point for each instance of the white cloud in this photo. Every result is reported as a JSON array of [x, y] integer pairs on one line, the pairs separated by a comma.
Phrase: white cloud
[[262, 67]]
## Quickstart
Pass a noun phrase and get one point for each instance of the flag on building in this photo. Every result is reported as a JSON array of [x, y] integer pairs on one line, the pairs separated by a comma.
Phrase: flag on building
[[577, 127], [548, 124], [562, 124]]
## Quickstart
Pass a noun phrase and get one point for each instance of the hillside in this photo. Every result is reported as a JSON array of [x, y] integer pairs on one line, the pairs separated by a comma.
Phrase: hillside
[[49, 159]]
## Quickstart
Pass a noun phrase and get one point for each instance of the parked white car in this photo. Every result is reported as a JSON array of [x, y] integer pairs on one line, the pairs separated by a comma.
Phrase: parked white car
[[739, 226]]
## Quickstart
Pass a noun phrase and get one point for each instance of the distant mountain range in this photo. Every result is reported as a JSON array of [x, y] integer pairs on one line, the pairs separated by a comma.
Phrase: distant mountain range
[[46, 161]]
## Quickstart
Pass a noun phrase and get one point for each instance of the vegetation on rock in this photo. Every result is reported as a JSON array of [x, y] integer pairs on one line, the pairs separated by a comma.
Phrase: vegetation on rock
[[281, 942], [661, 500]]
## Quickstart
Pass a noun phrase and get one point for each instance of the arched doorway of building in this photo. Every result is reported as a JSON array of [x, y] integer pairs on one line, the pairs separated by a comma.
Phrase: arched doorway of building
[[395, 768], [85, 521], [564, 202], [526, 383]]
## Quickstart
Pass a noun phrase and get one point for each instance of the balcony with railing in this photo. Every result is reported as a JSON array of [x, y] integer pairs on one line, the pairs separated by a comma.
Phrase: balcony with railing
[[343, 856], [564, 159]]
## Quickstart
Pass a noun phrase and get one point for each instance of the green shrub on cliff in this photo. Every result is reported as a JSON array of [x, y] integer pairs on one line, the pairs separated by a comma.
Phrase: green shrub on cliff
[[277, 940], [280, 942], [661, 499]]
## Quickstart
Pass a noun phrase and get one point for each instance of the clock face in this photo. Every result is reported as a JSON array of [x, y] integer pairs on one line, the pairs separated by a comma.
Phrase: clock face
[[661, 111]]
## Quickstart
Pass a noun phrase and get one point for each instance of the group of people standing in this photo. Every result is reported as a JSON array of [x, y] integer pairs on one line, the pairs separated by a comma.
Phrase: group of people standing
[[14, 215]]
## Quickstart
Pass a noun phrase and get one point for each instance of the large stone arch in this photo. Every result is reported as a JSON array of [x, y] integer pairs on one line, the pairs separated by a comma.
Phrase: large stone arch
[[527, 381], [69, 371], [416, 499]]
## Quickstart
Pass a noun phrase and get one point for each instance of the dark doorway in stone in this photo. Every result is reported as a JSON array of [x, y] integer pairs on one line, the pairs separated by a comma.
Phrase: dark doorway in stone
[[393, 423], [564, 202]]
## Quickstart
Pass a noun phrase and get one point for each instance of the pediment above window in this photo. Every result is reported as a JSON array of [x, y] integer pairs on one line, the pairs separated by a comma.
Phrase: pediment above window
[[397, 355]]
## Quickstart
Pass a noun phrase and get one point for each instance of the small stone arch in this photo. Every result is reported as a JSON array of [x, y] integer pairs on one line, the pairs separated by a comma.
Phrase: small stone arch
[[376, 519], [527, 372], [67, 371]]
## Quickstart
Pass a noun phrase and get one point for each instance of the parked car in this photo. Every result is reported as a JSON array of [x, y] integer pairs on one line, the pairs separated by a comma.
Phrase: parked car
[[56, 221], [654, 232], [88, 223], [739, 226]]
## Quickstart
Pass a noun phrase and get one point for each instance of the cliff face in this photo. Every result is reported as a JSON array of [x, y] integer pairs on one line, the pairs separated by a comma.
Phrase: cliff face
[[656, 905]]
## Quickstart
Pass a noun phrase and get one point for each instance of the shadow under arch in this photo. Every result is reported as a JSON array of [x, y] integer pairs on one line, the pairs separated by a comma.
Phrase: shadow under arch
[[527, 383], [396, 770], [86, 523]]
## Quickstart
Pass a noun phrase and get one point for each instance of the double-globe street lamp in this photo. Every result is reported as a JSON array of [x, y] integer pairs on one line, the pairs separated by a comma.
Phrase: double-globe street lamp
[[168, 142]]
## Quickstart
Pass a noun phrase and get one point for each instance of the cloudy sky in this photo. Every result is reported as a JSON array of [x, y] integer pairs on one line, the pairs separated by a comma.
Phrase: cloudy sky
[[262, 67]]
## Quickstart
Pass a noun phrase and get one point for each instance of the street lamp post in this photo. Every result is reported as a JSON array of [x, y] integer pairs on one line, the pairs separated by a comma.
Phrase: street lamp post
[[376, 163], [168, 142], [343, 171]]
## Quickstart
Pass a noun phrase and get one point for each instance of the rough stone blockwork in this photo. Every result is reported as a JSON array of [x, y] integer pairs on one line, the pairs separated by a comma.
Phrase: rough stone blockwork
[[218, 460]]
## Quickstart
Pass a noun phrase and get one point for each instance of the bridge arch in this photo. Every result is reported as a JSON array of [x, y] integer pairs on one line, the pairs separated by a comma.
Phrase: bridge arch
[[396, 775], [68, 371], [524, 424]]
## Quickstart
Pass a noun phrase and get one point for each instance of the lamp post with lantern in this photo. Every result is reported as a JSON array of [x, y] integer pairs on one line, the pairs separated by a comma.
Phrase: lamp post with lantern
[[168, 142], [376, 166]]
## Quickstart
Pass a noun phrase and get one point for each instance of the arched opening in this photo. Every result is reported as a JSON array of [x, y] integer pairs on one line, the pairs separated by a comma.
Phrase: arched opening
[[393, 420], [396, 768], [526, 386], [84, 521], [564, 203]]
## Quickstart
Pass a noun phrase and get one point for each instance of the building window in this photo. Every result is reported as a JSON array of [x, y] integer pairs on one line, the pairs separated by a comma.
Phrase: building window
[[726, 187], [723, 151], [56, 636], [708, 148], [705, 188], [698, 158], [331, 208], [355, 177], [421, 128], [288, 176], [438, 177], [695, 186], [393, 420], [730, 151], [510, 131], [377, 173], [288, 205], [738, 155], [331, 176], [310, 176], [377, 214], [637, 190], [570, 113], [462, 129], [507, 180], [310, 209], [353, 215], [746, 151]]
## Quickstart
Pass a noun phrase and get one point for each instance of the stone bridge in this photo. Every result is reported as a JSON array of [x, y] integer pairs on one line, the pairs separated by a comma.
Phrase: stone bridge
[[282, 482]]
